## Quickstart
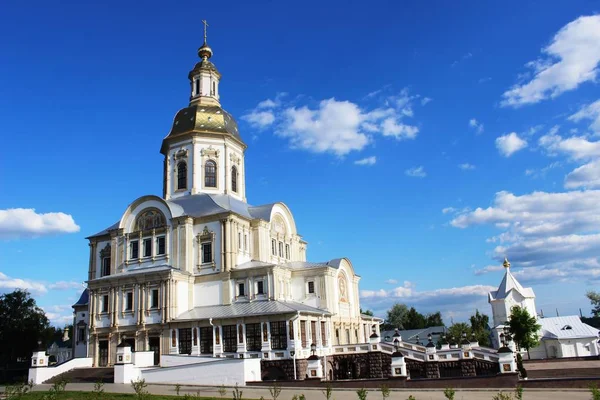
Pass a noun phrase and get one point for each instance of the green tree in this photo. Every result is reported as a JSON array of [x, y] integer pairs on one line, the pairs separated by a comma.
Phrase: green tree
[[480, 328], [366, 312], [395, 316], [434, 319], [456, 330], [413, 320], [524, 328], [22, 324], [595, 300]]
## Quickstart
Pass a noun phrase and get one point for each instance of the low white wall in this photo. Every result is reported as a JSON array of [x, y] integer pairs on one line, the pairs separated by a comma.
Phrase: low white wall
[[42, 374], [143, 358], [217, 372], [173, 361], [127, 373]]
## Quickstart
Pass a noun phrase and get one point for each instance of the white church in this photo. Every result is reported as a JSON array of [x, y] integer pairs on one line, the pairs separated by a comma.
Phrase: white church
[[199, 271], [560, 337]]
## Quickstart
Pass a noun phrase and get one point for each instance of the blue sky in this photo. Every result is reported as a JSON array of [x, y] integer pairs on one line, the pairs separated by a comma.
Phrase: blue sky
[[424, 141]]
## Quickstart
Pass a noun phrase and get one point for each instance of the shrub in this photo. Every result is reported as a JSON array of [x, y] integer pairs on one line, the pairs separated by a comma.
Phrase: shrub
[[411, 397], [362, 394], [519, 392], [595, 392], [328, 392], [222, 391], [385, 391], [237, 393], [139, 387], [177, 389], [98, 390], [449, 393], [502, 396], [275, 390]]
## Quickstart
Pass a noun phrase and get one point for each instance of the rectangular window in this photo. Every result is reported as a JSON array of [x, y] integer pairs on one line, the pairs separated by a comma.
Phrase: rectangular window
[[274, 247], [81, 335], [245, 242], [313, 332], [287, 251], [154, 299], [230, 338], [311, 287], [278, 335], [160, 245], [206, 340], [241, 291], [260, 289], [129, 301], [240, 240], [303, 333], [347, 336], [134, 251], [253, 337], [104, 304], [280, 249], [206, 253], [105, 266], [323, 334], [147, 247]]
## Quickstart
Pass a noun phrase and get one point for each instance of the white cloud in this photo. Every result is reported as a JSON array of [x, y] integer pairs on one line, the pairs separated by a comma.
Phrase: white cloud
[[463, 299], [11, 284], [335, 126], [569, 60], [416, 172], [543, 230], [425, 100], [576, 147], [476, 125], [65, 285], [466, 166], [392, 127], [484, 80], [586, 176], [488, 269], [260, 119], [391, 281], [591, 112], [25, 222], [448, 210], [509, 144], [366, 161]]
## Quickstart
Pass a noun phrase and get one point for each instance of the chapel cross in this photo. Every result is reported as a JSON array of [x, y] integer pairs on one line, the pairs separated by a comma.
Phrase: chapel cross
[[205, 26]]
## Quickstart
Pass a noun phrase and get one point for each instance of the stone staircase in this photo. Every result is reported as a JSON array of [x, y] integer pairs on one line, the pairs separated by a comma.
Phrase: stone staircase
[[86, 375]]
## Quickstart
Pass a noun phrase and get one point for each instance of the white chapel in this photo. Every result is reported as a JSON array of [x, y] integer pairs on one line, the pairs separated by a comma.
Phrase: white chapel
[[199, 271], [560, 337]]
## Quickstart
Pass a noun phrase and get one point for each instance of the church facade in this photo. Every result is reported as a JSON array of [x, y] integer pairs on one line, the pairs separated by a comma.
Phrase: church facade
[[199, 271], [560, 337]]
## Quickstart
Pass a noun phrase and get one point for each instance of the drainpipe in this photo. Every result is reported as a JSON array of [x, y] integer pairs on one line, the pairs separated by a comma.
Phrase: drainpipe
[[294, 341]]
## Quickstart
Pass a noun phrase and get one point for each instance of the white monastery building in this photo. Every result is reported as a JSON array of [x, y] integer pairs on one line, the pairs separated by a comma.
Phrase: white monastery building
[[560, 337], [199, 271]]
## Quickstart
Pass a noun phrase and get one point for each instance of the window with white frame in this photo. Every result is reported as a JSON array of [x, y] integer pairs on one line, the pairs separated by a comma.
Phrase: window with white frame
[[160, 246], [240, 240], [154, 299], [287, 251], [280, 249], [129, 301], [134, 249], [260, 287], [206, 254], [105, 266], [310, 287], [147, 247], [104, 303], [241, 289], [274, 247], [245, 242]]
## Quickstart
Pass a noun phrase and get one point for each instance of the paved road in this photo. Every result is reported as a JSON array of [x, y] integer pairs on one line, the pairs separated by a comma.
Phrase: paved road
[[339, 394]]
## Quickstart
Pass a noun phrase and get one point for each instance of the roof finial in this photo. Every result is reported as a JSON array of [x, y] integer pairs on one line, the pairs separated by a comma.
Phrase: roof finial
[[205, 52], [205, 26], [506, 263]]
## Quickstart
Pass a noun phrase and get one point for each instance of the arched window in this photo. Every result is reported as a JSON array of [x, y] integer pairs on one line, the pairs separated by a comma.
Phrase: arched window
[[197, 86], [181, 175], [234, 176], [210, 174]]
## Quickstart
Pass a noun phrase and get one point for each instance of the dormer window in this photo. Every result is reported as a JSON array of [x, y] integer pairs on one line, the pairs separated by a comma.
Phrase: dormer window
[[260, 287], [241, 290], [566, 328], [181, 175], [210, 174], [234, 176]]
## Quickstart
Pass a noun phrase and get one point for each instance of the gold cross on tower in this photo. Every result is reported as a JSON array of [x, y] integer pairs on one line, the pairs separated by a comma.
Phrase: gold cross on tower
[[205, 26]]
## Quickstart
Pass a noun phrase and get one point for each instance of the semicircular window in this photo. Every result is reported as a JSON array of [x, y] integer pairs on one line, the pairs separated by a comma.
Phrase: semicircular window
[[150, 219]]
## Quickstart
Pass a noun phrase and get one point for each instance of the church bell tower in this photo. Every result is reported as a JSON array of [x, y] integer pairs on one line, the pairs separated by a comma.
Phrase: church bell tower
[[204, 152]]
